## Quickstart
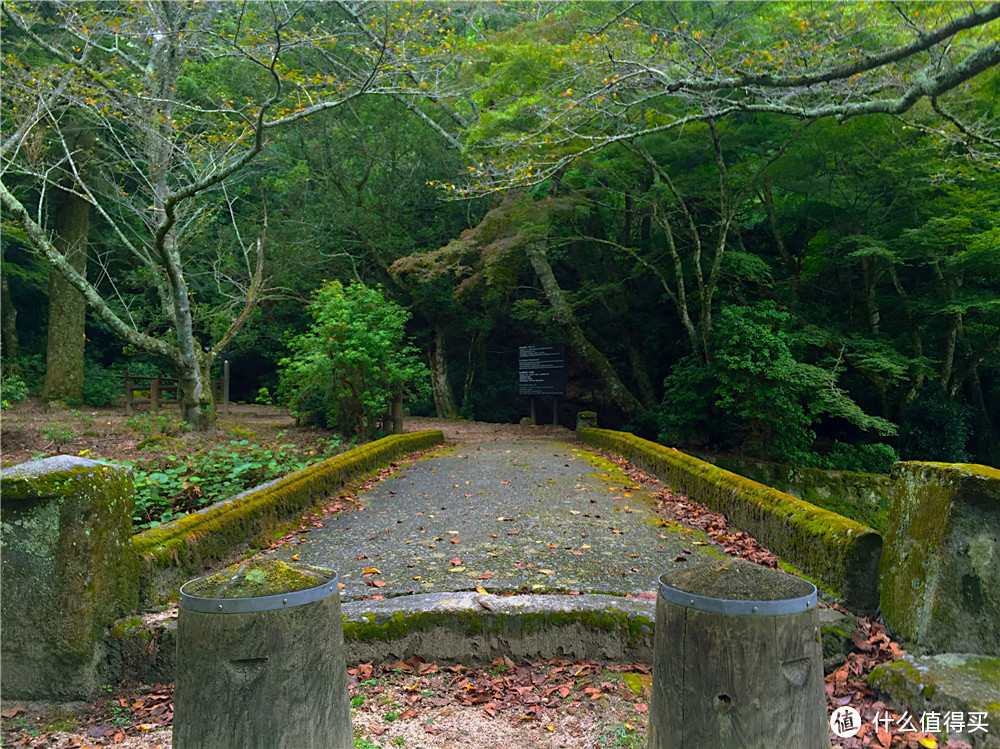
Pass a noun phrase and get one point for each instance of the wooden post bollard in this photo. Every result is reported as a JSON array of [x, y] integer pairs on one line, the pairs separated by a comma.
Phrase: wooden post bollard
[[260, 660], [737, 661], [128, 393], [154, 394]]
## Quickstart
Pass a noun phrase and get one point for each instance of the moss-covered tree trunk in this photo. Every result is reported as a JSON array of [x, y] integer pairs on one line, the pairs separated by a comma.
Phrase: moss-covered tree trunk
[[444, 396], [195, 393], [8, 322], [67, 309], [564, 316]]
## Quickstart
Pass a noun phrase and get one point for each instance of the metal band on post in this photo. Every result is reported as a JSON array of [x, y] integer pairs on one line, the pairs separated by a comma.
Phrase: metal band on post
[[737, 607], [259, 603]]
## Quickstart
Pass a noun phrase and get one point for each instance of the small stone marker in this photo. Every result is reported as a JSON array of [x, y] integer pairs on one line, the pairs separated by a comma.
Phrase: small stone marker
[[69, 570], [737, 661], [260, 660]]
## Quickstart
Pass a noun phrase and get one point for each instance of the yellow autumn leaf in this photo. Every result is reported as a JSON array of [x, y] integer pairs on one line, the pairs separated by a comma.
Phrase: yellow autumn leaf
[[929, 743], [457, 569], [545, 572], [481, 589], [372, 571]]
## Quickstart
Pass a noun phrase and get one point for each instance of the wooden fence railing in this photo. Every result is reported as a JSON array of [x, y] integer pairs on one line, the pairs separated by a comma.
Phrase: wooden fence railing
[[156, 391]]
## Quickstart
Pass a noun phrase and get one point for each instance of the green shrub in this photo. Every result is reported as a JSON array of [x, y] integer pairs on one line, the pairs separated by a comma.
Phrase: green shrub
[[59, 433], [935, 428], [263, 397], [13, 389], [868, 457], [101, 386], [345, 371], [757, 392]]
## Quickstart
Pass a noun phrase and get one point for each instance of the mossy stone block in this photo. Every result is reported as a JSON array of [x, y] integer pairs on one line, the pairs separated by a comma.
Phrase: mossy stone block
[[586, 419], [69, 570], [948, 683], [939, 578]]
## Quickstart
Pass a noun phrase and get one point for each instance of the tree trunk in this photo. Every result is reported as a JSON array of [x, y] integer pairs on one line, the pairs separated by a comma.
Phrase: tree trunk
[[194, 386], [8, 324], [67, 308], [617, 393], [444, 397]]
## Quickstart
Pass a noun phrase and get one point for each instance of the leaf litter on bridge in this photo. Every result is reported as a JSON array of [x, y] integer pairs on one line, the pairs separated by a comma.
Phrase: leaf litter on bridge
[[523, 515]]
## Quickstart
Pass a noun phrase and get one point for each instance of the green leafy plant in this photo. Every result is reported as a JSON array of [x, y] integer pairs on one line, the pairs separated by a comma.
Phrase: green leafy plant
[[59, 433], [151, 425], [263, 397], [345, 371], [13, 389], [169, 486]]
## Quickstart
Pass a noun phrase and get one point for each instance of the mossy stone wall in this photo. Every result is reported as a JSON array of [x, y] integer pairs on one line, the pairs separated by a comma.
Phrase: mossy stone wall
[[69, 570], [939, 578], [840, 553], [175, 552], [860, 496]]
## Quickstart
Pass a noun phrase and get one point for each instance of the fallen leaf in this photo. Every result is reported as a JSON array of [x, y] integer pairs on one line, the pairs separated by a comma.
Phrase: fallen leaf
[[372, 571], [641, 707], [457, 569], [484, 604], [455, 561], [545, 572], [455, 540], [376, 583], [481, 590], [13, 712]]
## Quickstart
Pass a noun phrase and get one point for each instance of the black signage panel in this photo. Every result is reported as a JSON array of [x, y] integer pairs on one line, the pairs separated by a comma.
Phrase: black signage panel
[[542, 369]]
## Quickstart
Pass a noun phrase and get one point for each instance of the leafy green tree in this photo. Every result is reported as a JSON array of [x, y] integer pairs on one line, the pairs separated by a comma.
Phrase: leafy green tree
[[346, 369]]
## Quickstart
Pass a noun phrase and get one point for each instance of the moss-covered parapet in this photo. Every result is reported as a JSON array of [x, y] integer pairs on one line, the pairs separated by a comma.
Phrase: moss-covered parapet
[[939, 578], [840, 553], [176, 551], [69, 570], [860, 496]]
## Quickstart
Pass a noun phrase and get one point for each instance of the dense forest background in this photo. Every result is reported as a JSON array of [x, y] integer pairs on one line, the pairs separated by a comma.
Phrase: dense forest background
[[762, 227]]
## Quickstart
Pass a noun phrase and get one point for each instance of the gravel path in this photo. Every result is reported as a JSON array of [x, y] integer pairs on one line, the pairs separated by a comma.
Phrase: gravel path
[[519, 514]]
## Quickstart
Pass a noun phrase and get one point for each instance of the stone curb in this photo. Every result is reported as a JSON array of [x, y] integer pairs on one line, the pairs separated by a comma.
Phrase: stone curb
[[473, 627], [449, 627]]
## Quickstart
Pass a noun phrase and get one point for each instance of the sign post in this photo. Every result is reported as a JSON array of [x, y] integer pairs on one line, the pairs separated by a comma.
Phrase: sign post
[[542, 371]]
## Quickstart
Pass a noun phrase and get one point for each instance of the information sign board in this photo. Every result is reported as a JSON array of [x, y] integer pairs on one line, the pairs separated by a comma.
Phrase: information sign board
[[542, 369]]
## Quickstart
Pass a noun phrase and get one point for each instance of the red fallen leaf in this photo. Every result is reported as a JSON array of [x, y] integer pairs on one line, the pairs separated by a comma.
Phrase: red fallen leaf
[[375, 583], [377, 730], [408, 714], [455, 561], [860, 643], [511, 533], [485, 576], [12, 713], [680, 559], [402, 666], [455, 540], [641, 707]]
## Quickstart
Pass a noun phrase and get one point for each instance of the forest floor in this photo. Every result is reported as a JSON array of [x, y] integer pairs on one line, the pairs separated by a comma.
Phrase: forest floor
[[556, 703]]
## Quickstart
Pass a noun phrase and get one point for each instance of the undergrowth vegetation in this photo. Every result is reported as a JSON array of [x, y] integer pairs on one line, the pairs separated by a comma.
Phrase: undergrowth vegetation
[[169, 484]]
